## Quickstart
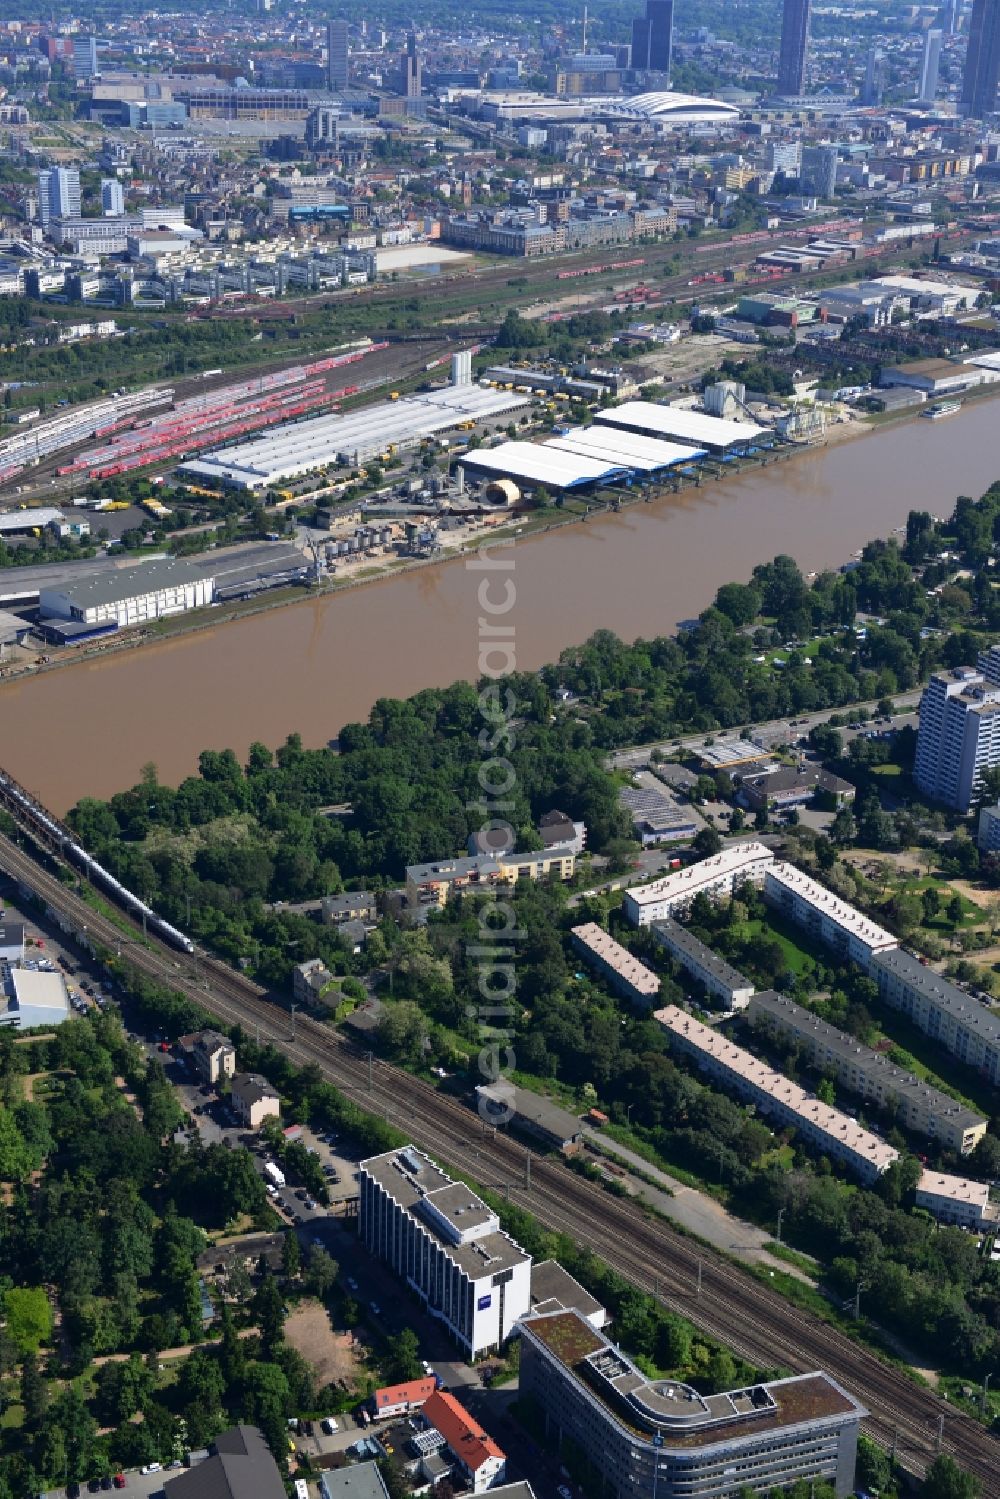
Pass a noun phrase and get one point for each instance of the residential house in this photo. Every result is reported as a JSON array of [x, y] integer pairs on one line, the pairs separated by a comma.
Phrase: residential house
[[481, 1463], [254, 1099]]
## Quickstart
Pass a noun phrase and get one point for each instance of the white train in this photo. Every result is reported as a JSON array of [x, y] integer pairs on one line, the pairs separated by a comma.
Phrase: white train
[[94, 871]]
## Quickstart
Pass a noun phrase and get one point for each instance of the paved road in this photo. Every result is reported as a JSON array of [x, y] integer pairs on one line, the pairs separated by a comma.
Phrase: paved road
[[694, 1210], [777, 731], [17, 582]]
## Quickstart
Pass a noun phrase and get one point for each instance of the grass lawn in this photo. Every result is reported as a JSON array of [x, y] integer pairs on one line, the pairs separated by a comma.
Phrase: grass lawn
[[800, 959], [972, 915], [929, 1061]]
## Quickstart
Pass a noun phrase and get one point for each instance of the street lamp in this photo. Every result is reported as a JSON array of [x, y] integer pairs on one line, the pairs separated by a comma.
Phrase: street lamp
[[781, 1214], [986, 1390], [628, 1115]]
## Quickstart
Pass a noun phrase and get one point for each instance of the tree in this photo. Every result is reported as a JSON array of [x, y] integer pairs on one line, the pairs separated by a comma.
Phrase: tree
[[290, 1255], [825, 1092], [946, 1480], [707, 841], [29, 1318], [930, 900], [322, 1272], [955, 910], [269, 1314], [404, 1356]]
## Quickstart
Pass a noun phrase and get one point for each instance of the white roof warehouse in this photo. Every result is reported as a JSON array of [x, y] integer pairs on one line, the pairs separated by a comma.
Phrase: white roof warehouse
[[131, 595], [296, 448]]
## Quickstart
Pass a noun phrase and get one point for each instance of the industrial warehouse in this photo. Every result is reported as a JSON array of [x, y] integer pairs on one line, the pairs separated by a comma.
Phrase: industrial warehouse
[[582, 456], [680, 425], [289, 451]]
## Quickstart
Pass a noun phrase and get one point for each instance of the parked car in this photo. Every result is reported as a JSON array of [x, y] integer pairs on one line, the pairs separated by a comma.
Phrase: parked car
[[329, 1425], [151, 1468]]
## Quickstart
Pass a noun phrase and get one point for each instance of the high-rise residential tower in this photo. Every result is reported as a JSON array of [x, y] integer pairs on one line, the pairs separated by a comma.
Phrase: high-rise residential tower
[[58, 194], [112, 197], [336, 56], [959, 735], [794, 42], [982, 60]]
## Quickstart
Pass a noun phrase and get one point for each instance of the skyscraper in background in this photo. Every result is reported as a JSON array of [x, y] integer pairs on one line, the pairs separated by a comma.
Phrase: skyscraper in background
[[653, 37], [874, 80], [85, 63], [950, 17], [929, 66], [794, 42], [336, 56], [982, 60], [58, 194], [410, 79], [112, 197]]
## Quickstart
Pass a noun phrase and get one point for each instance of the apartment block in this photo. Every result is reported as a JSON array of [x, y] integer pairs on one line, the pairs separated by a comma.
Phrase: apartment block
[[715, 877], [626, 975], [659, 1439], [718, 977], [959, 735], [738, 1071], [444, 1241], [920, 1108], [826, 918], [434, 884], [952, 1199], [963, 1026]]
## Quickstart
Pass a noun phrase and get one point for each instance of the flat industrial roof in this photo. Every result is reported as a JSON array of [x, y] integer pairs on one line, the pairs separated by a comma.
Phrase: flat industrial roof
[[540, 463], [27, 520], [675, 421], [630, 449], [294, 448], [39, 990], [127, 582]]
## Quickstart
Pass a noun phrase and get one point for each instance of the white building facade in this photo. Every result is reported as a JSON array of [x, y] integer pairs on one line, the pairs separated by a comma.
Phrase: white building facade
[[715, 877], [130, 597], [447, 1245]]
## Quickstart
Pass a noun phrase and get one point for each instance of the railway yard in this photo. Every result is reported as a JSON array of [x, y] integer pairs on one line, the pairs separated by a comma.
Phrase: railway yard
[[691, 1279], [131, 434]]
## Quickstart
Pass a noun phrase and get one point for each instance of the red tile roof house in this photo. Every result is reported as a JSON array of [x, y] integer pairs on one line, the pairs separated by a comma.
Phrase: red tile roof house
[[400, 1399], [482, 1461]]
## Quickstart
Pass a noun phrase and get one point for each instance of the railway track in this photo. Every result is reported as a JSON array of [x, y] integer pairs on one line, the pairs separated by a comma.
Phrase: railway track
[[719, 1297]]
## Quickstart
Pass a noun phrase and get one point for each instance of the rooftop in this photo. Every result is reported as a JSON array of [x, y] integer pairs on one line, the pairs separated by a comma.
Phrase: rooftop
[[838, 911], [839, 1127], [410, 1178], [677, 422], [683, 1417], [782, 1011], [942, 993], [128, 582], [673, 933], [534, 1108], [954, 1188], [463, 1433], [618, 958], [685, 883]]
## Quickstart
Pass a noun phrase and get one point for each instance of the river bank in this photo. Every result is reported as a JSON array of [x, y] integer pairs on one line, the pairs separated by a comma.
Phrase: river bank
[[323, 661]]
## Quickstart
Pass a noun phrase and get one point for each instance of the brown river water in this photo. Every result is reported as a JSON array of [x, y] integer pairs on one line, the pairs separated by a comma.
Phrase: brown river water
[[314, 665]]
